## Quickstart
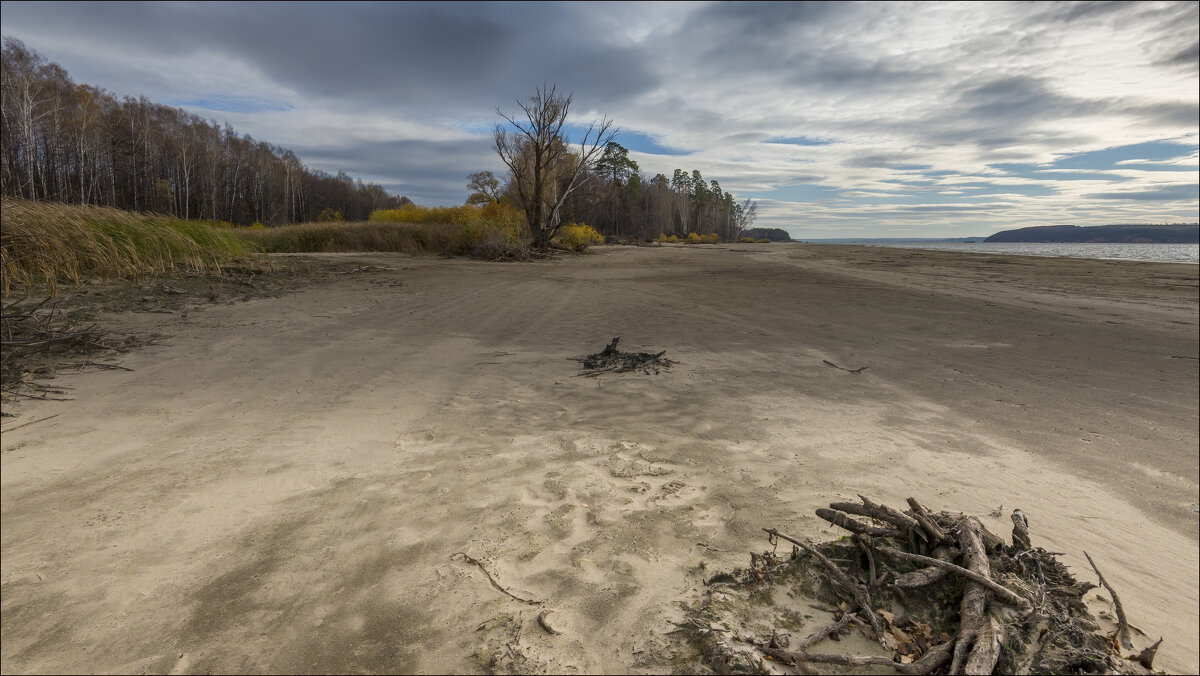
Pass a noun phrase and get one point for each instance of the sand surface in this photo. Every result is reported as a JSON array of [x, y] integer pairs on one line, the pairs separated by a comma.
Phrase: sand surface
[[281, 484]]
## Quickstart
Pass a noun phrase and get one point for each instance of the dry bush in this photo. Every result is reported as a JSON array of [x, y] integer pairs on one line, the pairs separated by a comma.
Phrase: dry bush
[[578, 236], [47, 243]]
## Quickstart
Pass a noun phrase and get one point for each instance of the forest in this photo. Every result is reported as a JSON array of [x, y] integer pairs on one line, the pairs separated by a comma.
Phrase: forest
[[73, 143]]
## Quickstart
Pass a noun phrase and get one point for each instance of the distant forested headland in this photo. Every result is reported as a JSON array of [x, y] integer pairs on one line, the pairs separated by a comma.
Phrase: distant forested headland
[[1174, 233], [73, 143], [773, 234]]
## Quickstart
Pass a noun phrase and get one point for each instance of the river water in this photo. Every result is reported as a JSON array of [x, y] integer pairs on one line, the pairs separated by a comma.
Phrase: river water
[[1163, 253]]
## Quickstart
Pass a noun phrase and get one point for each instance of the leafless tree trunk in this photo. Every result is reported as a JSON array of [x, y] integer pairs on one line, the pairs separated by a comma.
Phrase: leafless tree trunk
[[536, 152]]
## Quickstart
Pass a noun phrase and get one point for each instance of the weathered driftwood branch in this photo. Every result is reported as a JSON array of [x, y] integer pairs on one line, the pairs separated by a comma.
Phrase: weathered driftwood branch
[[610, 348], [1020, 532], [1122, 623], [927, 576], [1003, 593], [876, 511], [855, 526], [861, 595], [974, 599], [986, 652], [925, 664], [931, 527]]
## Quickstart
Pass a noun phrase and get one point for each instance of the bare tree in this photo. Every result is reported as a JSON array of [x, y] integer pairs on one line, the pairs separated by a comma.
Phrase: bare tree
[[484, 187], [543, 168]]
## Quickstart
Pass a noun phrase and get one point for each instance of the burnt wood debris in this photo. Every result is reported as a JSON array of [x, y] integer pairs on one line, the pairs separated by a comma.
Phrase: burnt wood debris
[[612, 360]]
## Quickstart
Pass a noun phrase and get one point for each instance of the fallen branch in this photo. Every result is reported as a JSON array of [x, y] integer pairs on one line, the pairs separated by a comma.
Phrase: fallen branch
[[974, 599], [1020, 531], [17, 427], [855, 371], [881, 512], [861, 596], [1122, 623], [855, 526], [1003, 593], [931, 527], [495, 584], [926, 664]]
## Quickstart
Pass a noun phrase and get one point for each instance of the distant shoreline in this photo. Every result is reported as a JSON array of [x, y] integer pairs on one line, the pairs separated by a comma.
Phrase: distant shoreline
[[1143, 252]]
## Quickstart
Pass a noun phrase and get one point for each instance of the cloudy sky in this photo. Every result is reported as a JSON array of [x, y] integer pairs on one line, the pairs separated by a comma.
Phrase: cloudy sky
[[842, 120]]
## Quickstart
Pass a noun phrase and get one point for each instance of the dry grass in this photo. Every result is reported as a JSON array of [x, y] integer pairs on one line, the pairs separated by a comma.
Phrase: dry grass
[[47, 243], [410, 238]]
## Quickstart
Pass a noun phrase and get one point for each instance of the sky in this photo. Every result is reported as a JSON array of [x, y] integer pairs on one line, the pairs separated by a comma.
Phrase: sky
[[840, 120]]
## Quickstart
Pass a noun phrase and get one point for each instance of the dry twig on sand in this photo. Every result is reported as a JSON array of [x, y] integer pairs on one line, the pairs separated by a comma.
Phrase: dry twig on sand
[[476, 562], [37, 340], [854, 371]]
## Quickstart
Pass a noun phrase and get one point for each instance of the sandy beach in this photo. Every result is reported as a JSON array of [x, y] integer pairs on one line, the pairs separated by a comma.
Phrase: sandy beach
[[281, 484]]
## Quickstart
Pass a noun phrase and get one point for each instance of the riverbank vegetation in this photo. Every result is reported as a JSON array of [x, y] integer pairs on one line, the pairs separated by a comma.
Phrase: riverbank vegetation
[[97, 187], [47, 243]]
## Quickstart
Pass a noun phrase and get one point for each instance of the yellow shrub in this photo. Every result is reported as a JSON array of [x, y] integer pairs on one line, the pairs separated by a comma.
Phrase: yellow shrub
[[747, 240], [329, 215], [412, 213], [578, 236], [693, 238], [764, 240], [494, 228], [710, 238]]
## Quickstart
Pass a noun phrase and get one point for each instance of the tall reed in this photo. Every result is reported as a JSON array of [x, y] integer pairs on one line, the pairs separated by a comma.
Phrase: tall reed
[[48, 243]]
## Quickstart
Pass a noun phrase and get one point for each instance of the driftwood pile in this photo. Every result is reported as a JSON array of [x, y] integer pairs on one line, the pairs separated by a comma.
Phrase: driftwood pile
[[612, 360], [937, 593], [35, 341]]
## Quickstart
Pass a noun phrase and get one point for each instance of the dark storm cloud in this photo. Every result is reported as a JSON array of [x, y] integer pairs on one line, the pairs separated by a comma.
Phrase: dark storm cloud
[[1018, 99], [440, 58], [1188, 56]]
